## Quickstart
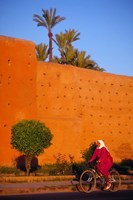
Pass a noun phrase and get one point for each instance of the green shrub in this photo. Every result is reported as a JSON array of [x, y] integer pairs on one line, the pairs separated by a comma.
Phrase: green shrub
[[9, 170], [124, 166], [87, 153]]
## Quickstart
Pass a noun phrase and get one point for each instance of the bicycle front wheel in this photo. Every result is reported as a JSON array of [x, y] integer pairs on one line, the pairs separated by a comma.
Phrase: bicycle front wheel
[[87, 181], [115, 180]]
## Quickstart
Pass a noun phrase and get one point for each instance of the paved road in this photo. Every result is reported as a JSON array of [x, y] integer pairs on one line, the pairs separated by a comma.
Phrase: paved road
[[120, 195]]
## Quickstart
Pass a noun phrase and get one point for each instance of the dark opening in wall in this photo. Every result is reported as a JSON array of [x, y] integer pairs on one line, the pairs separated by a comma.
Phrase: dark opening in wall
[[9, 62], [29, 64]]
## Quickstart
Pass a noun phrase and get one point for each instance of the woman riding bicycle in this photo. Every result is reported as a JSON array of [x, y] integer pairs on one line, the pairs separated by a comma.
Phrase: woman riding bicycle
[[104, 161]]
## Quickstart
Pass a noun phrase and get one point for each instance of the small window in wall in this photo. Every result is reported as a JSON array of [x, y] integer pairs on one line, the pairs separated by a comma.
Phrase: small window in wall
[[9, 62]]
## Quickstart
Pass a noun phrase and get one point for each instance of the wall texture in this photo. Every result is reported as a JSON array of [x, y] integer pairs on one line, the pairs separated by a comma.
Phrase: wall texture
[[17, 89], [78, 105]]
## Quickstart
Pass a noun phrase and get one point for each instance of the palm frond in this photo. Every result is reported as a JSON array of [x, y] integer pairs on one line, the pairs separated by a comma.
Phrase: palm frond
[[40, 21], [41, 52]]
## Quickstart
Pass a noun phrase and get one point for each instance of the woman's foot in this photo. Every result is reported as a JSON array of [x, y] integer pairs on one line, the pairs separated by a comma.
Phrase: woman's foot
[[108, 186]]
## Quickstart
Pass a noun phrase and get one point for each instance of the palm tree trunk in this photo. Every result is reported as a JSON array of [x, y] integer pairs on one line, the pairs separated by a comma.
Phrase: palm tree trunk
[[50, 46]]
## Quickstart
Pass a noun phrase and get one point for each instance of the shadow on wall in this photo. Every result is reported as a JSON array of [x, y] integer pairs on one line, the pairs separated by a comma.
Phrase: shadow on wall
[[20, 164]]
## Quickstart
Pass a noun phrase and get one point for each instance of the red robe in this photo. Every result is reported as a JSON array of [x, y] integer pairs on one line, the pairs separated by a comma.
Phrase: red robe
[[104, 160]]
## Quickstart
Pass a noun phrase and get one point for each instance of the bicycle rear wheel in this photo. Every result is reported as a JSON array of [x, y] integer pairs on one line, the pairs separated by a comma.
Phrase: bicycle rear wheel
[[115, 180], [87, 181]]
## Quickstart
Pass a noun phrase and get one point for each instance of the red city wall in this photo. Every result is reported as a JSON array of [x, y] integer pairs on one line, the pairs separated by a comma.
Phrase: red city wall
[[78, 105], [17, 89]]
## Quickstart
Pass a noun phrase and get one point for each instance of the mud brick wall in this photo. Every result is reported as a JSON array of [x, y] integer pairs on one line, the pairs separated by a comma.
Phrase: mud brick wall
[[81, 106], [17, 89], [78, 105]]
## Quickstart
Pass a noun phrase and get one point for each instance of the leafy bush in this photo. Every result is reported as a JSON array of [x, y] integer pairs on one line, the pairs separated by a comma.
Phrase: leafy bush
[[78, 168], [63, 165], [9, 170], [124, 167], [87, 153]]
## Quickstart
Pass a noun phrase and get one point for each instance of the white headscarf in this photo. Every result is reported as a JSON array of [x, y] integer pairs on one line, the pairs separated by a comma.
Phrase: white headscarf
[[101, 144]]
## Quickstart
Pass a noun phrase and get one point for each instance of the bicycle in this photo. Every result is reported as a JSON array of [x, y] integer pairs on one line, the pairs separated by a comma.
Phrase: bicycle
[[90, 180]]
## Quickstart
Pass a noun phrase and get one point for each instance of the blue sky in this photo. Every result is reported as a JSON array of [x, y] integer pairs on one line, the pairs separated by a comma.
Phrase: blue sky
[[105, 26]]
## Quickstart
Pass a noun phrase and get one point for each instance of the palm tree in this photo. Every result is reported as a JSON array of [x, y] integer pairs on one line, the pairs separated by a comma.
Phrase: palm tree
[[48, 20], [64, 41], [41, 52], [83, 61], [77, 58]]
